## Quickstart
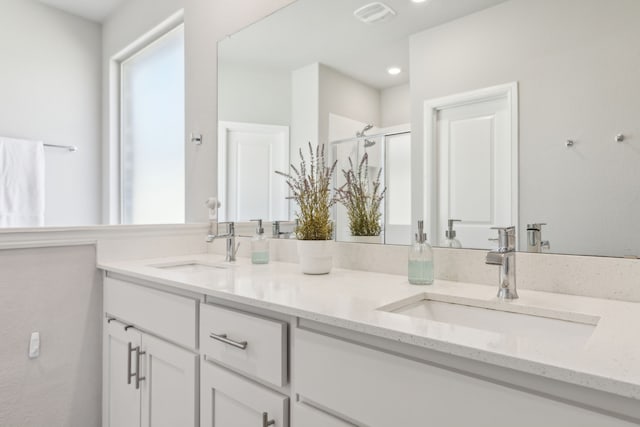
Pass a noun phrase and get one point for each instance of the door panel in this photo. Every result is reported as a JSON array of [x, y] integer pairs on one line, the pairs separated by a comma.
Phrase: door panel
[[249, 154], [229, 400], [169, 388], [474, 171], [121, 400]]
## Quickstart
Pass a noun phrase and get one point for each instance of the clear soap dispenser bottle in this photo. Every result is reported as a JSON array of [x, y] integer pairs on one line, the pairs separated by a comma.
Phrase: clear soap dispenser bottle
[[421, 259], [450, 234], [259, 246]]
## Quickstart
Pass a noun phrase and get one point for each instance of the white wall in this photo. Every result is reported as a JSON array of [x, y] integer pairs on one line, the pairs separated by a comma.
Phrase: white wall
[[250, 94], [57, 292], [50, 86], [53, 287], [305, 101], [578, 79], [347, 97], [395, 106]]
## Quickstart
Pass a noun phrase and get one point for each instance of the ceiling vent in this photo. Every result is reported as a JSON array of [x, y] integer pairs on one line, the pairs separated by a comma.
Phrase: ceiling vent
[[374, 12]]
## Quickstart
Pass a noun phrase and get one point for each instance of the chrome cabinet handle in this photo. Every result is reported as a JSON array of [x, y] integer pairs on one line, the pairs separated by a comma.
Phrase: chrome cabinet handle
[[130, 350], [223, 338], [138, 377], [266, 422]]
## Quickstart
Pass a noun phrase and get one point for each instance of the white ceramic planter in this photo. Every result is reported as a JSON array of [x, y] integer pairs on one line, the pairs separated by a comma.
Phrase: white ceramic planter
[[365, 239], [316, 256]]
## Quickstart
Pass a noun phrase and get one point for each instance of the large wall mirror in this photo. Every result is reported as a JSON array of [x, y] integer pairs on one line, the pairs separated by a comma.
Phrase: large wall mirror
[[491, 112], [101, 84]]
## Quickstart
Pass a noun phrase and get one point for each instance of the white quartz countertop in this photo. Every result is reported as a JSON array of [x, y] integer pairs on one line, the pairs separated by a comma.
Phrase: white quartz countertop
[[609, 361]]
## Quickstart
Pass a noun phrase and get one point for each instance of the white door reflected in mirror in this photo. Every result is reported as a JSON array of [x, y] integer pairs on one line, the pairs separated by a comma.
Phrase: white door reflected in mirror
[[474, 178], [249, 154]]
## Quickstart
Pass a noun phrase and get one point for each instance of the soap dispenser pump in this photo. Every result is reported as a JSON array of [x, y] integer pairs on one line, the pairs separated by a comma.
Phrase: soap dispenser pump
[[259, 246], [421, 259], [450, 234]]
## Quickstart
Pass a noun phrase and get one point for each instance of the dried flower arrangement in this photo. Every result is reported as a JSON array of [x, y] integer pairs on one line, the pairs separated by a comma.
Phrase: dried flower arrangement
[[363, 205], [311, 189]]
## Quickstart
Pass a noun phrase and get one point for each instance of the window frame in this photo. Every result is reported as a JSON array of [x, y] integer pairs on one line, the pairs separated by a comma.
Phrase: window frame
[[114, 210]]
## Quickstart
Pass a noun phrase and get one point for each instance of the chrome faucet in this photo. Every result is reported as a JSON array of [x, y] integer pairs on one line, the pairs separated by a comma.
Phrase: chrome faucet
[[230, 236], [276, 229], [534, 238], [505, 257]]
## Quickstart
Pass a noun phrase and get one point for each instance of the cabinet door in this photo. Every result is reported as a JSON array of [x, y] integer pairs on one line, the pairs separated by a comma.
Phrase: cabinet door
[[229, 400], [121, 400], [169, 386]]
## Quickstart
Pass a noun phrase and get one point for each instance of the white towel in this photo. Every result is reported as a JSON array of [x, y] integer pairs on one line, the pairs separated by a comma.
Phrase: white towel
[[21, 183]]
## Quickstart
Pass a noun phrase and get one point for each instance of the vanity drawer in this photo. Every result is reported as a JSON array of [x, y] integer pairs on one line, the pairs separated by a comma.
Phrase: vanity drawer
[[251, 344], [380, 389], [169, 316]]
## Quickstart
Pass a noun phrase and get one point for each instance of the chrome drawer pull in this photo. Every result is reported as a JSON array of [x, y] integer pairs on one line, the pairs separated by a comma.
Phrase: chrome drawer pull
[[138, 377], [223, 338], [266, 422], [129, 373]]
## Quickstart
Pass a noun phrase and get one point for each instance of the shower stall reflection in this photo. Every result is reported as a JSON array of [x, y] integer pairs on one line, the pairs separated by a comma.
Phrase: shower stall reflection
[[389, 154]]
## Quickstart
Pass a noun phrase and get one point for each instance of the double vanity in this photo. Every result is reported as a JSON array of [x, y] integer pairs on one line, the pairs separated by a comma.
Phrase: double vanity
[[197, 341]]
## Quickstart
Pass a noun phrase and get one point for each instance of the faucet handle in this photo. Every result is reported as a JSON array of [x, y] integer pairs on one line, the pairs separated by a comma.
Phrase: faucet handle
[[536, 226], [276, 226], [259, 229], [231, 226], [506, 238]]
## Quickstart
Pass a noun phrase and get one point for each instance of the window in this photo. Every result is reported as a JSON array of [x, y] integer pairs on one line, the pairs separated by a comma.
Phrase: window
[[152, 164]]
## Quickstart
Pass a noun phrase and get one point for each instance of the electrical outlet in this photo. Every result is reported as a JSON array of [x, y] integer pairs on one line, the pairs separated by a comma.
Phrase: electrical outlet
[[34, 345]]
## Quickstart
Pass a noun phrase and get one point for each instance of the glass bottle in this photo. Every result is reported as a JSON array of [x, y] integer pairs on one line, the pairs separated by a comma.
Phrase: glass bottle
[[259, 246], [421, 259], [450, 234]]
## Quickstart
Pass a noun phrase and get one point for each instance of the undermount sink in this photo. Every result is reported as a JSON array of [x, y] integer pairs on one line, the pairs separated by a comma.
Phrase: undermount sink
[[567, 329], [192, 266]]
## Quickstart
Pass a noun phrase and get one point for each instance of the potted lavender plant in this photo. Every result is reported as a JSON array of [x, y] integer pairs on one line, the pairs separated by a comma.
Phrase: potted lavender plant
[[310, 187], [362, 199]]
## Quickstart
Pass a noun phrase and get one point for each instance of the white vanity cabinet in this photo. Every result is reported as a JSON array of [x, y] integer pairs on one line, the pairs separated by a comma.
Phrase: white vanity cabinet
[[241, 350], [177, 359], [147, 379], [366, 386]]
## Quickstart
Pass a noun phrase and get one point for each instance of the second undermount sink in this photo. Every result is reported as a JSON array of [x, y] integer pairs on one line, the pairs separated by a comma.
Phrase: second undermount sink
[[567, 329], [192, 266]]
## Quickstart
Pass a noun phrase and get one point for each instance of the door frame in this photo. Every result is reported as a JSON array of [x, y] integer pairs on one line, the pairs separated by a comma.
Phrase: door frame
[[430, 154]]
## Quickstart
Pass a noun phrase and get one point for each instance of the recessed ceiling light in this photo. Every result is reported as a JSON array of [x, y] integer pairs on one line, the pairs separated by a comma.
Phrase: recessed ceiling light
[[420, 1], [394, 71]]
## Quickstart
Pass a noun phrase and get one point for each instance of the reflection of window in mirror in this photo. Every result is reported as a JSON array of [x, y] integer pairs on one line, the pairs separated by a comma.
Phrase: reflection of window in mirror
[[152, 163]]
